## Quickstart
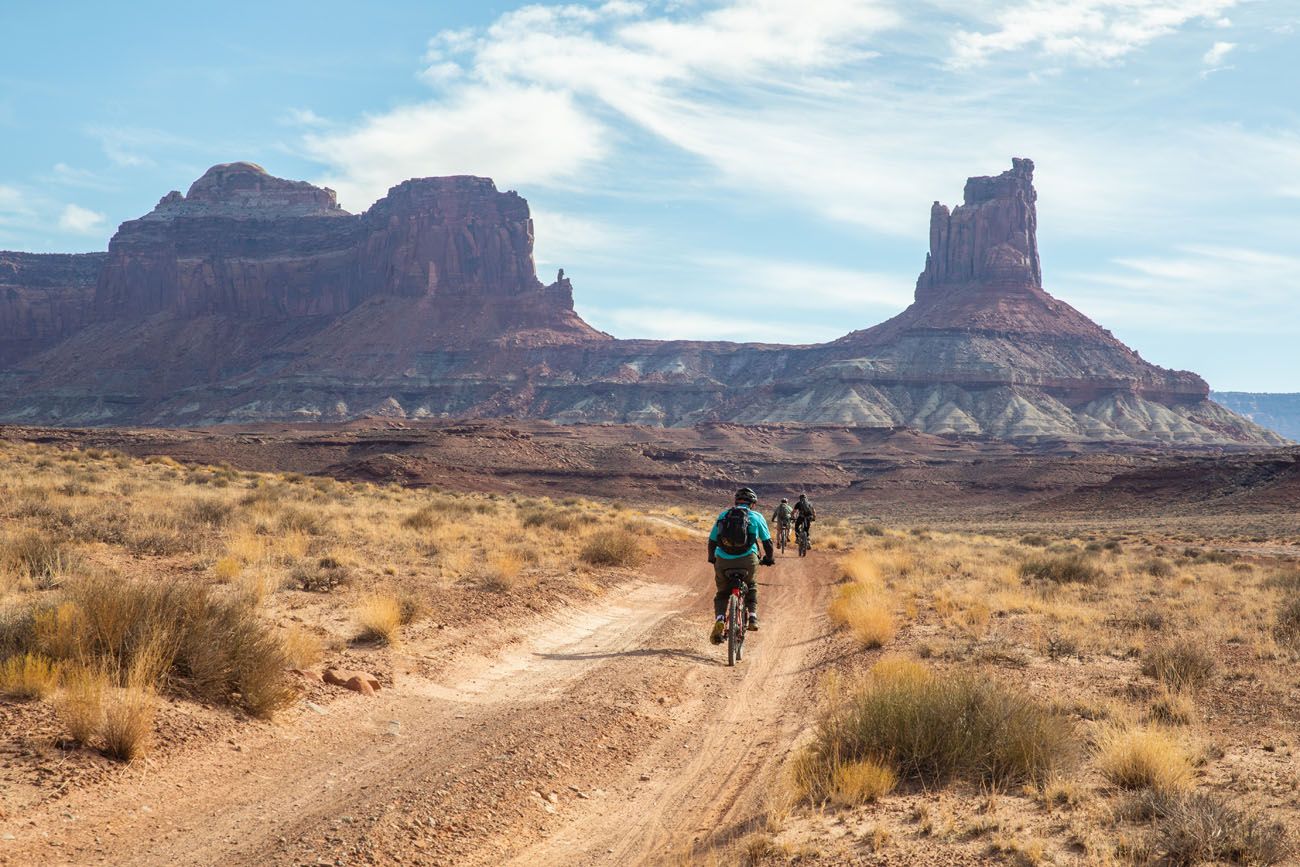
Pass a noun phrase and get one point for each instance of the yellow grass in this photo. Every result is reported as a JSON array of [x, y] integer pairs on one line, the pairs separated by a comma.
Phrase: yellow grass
[[302, 647], [28, 675], [1143, 757], [865, 613], [127, 728], [379, 618], [862, 782], [80, 703]]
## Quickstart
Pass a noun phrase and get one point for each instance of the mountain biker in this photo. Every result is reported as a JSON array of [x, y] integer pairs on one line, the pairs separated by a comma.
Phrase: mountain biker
[[804, 515], [728, 554], [781, 516]]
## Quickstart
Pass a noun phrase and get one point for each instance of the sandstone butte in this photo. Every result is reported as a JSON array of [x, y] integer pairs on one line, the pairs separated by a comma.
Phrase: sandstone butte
[[257, 299]]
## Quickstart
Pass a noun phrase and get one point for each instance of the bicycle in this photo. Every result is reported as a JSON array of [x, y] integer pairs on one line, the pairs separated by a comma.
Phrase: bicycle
[[801, 535], [782, 536], [736, 620]]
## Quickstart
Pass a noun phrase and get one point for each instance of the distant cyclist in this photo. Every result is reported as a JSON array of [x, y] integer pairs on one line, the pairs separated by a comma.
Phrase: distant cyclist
[[781, 518], [804, 515], [733, 545]]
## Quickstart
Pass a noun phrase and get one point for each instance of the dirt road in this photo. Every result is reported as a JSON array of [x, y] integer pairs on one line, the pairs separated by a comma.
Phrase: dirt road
[[611, 734]]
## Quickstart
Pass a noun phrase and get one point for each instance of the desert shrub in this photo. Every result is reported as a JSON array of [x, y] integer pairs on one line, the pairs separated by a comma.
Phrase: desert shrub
[[139, 632], [209, 512], [231, 655], [872, 530], [554, 519], [1202, 827], [324, 575], [931, 728], [1179, 665], [614, 547], [1062, 569], [127, 726], [1158, 567], [379, 618], [227, 568], [296, 520], [28, 675], [424, 518], [1173, 708], [80, 703], [1284, 579], [865, 613], [861, 782], [1137, 758], [1035, 540], [40, 557], [1287, 627], [500, 572]]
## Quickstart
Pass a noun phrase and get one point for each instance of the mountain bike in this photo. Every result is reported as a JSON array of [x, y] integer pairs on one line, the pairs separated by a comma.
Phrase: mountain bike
[[801, 536], [782, 536], [736, 619]]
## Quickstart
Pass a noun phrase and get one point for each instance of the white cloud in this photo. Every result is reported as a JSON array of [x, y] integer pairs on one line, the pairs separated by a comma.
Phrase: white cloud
[[1095, 32], [81, 221], [565, 240], [11, 201], [304, 117], [1218, 52], [516, 135]]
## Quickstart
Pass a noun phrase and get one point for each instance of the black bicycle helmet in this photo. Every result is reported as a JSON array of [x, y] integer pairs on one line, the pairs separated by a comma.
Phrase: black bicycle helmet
[[785, 499], [746, 495]]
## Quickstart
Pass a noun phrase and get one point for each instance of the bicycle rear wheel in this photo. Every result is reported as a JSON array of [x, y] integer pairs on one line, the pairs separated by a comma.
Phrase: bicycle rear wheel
[[734, 639]]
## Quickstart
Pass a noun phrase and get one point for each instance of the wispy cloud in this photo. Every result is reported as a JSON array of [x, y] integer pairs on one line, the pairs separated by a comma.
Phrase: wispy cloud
[[1094, 32], [1191, 290], [669, 323], [80, 221]]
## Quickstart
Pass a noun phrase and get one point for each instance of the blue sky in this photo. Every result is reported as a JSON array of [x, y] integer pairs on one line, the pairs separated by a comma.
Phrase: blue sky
[[688, 160]]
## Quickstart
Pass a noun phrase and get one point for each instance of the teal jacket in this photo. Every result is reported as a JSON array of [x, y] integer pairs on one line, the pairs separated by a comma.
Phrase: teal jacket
[[757, 524]]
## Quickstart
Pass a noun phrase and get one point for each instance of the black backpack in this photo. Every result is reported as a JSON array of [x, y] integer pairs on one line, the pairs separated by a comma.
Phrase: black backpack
[[735, 536]]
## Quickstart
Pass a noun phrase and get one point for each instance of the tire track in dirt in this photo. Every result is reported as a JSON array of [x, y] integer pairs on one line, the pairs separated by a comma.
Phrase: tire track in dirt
[[703, 783], [447, 771]]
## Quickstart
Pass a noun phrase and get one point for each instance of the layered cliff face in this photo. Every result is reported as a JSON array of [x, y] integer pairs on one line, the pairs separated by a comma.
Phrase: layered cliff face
[[252, 298], [43, 299]]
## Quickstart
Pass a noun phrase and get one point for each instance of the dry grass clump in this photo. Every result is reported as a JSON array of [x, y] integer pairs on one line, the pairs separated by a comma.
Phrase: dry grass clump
[[323, 576], [1173, 708], [28, 675], [379, 618], [80, 703], [145, 630], [1062, 569], [1143, 758], [1158, 567], [1287, 627], [1200, 827], [866, 613], [932, 728], [615, 546], [1179, 665], [127, 726], [861, 782], [302, 647], [39, 557], [501, 572], [425, 518]]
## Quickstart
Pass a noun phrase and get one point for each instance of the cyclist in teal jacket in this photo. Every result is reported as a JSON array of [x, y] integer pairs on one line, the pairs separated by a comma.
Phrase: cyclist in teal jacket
[[730, 558]]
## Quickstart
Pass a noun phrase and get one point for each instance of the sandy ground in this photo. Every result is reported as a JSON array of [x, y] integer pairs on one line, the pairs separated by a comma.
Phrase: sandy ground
[[614, 733]]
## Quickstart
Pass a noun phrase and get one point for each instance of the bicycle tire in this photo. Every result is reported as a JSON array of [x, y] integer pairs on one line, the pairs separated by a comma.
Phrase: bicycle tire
[[733, 606]]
